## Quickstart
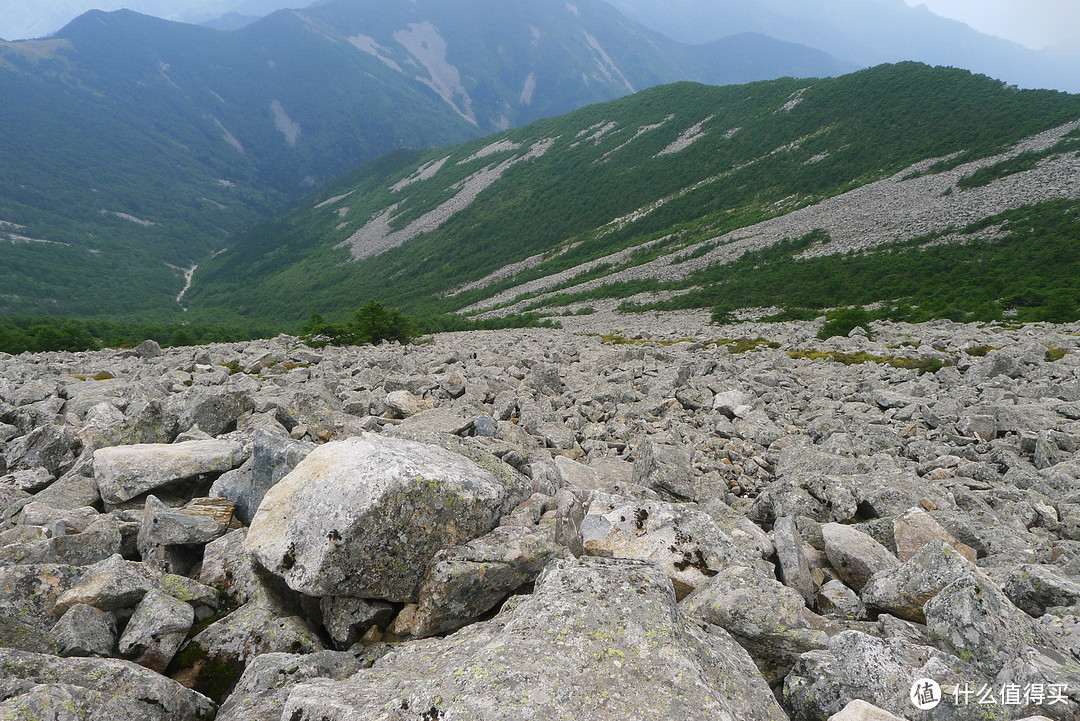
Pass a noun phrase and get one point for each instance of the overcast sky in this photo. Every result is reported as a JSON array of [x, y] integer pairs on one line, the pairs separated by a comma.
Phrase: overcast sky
[[1034, 23]]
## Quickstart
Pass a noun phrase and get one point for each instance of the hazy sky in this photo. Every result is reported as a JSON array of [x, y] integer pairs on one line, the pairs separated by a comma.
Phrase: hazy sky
[[1035, 23]]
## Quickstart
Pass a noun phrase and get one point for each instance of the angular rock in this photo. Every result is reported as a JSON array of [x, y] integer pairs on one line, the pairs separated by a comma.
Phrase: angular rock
[[156, 630], [124, 472], [855, 555], [903, 590], [29, 593], [199, 521], [685, 543], [1034, 588], [1053, 677], [263, 689], [273, 457], [596, 638], [230, 568], [51, 447], [666, 469], [110, 585], [915, 528], [764, 616], [364, 516], [837, 600], [203, 600], [213, 411], [794, 569], [213, 660], [875, 670], [974, 620], [85, 631], [348, 619], [41, 686], [464, 582], [403, 404]]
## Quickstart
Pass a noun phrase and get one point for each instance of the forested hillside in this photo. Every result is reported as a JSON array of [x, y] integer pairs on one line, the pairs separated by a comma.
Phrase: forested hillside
[[133, 147], [650, 193]]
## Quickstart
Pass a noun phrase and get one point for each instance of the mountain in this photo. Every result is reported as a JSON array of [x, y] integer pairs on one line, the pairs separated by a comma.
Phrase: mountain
[[866, 32], [788, 192], [134, 146], [21, 19]]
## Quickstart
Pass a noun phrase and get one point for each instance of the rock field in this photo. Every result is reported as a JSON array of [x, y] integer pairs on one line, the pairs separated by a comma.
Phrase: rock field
[[673, 521]]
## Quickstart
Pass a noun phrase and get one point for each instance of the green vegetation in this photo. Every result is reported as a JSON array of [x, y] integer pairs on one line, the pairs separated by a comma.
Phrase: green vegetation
[[587, 198], [754, 163], [1031, 273], [18, 335], [372, 323], [929, 365]]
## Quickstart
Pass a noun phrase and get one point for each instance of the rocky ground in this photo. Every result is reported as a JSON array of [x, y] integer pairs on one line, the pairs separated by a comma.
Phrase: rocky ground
[[660, 520]]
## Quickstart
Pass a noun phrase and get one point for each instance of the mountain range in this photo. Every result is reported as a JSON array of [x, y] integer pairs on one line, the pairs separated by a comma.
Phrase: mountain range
[[903, 184], [866, 32], [135, 146]]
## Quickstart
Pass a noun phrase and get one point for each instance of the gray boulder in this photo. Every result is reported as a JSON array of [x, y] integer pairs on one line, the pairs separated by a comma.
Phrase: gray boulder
[[30, 593], [596, 639], [880, 671], [682, 541], [666, 469], [794, 568], [464, 582], [41, 686], [903, 590], [272, 458], [364, 516], [973, 619], [124, 472], [156, 630], [110, 585], [855, 555], [164, 530], [213, 660], [264, 687], [1034, 588], [765, 617], [85, 631]]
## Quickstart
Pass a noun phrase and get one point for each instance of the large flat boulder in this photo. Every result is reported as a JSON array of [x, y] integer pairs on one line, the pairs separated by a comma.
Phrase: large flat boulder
[[124, 472], [364, 516]]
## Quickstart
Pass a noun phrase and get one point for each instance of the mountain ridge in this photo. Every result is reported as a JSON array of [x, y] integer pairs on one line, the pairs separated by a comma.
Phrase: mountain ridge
[[139, 145], [659, 178]]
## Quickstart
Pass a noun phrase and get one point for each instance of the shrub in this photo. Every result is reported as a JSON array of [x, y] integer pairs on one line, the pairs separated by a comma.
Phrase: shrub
[[842, 321]]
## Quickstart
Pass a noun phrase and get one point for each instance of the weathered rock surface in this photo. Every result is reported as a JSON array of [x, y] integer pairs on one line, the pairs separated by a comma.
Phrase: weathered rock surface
[[363, 517], [464, 582], [123, 472], [41, 686], [763, 615], [596, 638], [156, 630]]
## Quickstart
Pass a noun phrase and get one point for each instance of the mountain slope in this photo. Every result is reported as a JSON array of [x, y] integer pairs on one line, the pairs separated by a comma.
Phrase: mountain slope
[[649, 193], [134, 146]]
